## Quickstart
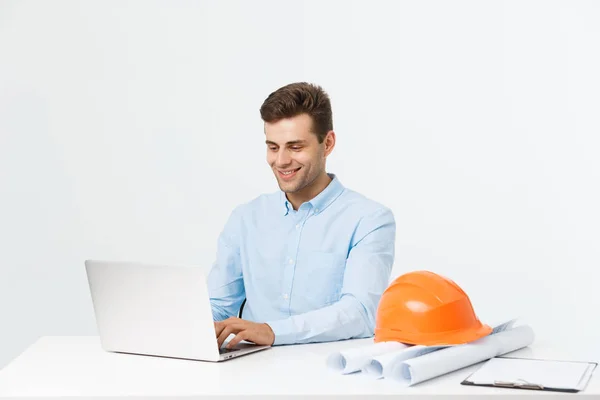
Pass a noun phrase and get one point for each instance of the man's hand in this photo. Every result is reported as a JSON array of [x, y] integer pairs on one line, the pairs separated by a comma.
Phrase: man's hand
[[243, 330]]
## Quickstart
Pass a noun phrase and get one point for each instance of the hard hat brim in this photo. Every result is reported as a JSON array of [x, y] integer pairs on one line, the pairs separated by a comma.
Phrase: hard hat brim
[[437, 339]]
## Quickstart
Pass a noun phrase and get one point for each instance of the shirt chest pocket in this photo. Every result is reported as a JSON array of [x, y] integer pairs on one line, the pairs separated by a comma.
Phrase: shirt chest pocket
[[318, 280]]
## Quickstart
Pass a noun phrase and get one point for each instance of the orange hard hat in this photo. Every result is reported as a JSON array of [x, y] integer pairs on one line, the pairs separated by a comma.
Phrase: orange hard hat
[[425, 308]]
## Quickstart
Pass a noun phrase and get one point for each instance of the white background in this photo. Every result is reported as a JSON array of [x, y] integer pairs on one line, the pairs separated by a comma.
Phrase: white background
[[130, 130]]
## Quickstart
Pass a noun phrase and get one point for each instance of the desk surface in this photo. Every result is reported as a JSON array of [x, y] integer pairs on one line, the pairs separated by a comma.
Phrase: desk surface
[[77, 366]]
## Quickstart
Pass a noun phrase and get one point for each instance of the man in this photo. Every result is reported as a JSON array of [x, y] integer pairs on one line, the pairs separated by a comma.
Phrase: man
[[312, 259]]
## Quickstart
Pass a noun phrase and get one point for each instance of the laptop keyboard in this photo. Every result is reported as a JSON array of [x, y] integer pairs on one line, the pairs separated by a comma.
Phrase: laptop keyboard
[[224, 350]]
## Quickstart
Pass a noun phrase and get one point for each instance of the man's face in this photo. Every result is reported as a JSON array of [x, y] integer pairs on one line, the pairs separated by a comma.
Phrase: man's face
[[294, 152]]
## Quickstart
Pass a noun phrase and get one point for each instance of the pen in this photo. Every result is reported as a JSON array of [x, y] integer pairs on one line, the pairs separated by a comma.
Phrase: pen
[[523, 385]]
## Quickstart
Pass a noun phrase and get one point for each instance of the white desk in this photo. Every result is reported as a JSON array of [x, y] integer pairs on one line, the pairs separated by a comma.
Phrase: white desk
[[77, 366]]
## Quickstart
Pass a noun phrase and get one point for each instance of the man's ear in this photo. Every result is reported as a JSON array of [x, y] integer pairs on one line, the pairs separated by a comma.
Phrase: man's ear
[[329, 142]]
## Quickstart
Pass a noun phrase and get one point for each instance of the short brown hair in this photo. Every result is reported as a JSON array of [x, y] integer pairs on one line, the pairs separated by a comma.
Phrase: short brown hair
[[300, 98]]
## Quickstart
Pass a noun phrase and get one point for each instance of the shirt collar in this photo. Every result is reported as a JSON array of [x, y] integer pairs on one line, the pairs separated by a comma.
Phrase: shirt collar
[[320, 201]]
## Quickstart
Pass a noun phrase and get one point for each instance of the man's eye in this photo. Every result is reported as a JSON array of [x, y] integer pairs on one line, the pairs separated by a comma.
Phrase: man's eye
[[296, 147], [272, 148]]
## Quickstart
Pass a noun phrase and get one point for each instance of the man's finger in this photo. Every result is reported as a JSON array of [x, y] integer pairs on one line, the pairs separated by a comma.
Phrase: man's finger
[[243, 335], [228, 330], [220, 325]]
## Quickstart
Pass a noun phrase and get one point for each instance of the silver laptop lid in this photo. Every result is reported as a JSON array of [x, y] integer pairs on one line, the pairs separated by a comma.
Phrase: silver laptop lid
[[152, 309]]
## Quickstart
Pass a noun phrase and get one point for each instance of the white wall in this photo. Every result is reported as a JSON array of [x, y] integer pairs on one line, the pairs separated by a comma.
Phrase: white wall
[[129, 130]]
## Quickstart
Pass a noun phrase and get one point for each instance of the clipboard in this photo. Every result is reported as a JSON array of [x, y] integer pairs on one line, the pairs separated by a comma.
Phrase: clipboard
[[533, 374]]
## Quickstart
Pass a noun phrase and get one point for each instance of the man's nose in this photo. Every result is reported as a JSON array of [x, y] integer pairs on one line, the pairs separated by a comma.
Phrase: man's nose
[[283, 158]]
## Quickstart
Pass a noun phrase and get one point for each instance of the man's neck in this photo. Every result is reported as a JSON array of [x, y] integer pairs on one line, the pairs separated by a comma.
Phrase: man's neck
[[309, 192]]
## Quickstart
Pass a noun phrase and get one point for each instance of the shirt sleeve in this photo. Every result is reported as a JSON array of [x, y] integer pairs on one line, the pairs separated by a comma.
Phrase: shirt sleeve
[[225, 282], [368, 268]]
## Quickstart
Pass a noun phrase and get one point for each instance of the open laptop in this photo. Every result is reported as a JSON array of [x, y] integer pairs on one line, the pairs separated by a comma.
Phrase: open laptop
[[158, 310]]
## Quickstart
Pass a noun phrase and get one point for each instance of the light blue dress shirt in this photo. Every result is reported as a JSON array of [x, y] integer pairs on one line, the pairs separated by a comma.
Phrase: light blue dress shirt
[[315, 274]]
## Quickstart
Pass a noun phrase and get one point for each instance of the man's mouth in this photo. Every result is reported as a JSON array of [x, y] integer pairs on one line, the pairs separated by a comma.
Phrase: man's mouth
[[288, 174]]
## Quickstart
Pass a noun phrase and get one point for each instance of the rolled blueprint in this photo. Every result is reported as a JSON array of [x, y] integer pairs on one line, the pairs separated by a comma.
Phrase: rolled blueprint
[[440, 362], [352, 360], [379, 365]]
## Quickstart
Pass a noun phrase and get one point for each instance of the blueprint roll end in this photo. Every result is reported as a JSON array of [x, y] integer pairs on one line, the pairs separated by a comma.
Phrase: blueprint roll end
[[401, 373], [336, 362], [374, 369]]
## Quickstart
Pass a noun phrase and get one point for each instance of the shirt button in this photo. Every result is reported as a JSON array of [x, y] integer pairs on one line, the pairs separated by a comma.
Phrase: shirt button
[[298, 226], [316, 210], [285, 296], [291, 261]]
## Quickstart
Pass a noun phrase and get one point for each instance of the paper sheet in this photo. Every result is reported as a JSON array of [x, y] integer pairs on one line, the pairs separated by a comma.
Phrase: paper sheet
[[419, 369], [547, 373], [501, 327], [352, 360]]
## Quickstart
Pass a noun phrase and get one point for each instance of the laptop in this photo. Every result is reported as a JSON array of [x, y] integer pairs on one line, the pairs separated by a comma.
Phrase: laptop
[[156, 310]]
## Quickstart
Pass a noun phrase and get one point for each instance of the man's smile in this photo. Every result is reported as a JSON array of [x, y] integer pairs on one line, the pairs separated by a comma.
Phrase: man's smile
[[288, 174]]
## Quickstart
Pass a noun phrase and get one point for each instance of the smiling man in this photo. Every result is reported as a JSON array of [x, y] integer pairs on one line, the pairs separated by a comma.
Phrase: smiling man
[[311, 259]]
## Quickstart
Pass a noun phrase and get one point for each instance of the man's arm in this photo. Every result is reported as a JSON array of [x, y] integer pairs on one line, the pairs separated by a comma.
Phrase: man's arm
[[225, 283], [367, 274]]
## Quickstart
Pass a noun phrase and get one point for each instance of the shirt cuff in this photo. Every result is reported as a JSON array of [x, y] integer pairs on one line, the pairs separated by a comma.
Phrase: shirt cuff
[[284, 330]]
